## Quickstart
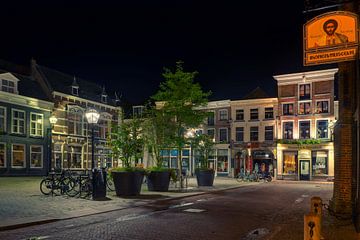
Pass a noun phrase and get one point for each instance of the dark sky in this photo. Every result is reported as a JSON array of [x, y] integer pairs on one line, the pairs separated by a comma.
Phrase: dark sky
[[124, 45]]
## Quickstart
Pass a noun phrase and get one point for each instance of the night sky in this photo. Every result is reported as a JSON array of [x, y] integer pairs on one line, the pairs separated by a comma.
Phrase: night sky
[[235, 47]]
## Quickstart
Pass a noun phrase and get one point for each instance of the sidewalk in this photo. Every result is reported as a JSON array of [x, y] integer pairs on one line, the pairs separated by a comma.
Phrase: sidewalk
[[22, 203]]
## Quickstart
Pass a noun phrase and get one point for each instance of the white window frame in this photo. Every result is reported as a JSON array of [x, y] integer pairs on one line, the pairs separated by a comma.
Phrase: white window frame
[[300, 102], [4, 118], [105, 117], [328, 129], [18, 120], [322, 100], [2, 143], [77, 111], [227, 134], [227, 115], [268, 112], [76, 93], [12, 155], [7, 86], [283, 129], [42, 156], [104, 98], [36, 124], [310, 127]]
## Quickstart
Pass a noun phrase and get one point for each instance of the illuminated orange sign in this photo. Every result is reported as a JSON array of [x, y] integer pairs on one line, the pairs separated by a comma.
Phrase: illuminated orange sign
[[331, 37]]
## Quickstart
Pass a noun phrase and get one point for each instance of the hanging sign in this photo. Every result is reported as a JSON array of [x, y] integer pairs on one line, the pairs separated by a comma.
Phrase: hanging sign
[[331, 37]]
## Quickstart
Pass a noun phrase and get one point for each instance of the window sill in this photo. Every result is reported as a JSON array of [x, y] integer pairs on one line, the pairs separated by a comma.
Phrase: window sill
[[254, 120]]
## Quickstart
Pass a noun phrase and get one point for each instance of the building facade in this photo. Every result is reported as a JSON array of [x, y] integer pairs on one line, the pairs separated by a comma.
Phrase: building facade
[[307, 113], [24, 126]]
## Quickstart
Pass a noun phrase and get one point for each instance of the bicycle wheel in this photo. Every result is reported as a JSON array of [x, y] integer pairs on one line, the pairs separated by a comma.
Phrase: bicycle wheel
[[85, 188], [45, 186], [72, 187], [57, 187], [110, 184]]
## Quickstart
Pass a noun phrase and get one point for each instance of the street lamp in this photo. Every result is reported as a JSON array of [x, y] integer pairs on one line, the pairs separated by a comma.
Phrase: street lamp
[[98, 188], [53, 121]]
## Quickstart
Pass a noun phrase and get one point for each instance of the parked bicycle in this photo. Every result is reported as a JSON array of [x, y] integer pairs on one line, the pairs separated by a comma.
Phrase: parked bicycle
[[247, 177], [57, 183]]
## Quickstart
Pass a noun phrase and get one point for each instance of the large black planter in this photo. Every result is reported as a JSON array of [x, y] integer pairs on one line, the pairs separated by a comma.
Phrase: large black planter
[[128, 183], [205, 177], [158, 181]]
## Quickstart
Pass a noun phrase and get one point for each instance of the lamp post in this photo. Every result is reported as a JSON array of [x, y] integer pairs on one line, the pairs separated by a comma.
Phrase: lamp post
[[53, 121], [98, 188]]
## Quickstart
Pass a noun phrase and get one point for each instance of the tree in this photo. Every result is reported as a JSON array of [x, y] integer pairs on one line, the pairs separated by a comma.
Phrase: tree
[[203, 144], [180, 98]]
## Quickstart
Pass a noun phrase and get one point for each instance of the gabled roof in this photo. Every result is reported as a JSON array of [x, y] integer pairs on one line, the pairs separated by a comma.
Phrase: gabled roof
[[257, 93], [62, 82]]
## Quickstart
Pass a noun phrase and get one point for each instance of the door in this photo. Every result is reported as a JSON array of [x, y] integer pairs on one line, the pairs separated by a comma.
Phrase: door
[[304, 170]]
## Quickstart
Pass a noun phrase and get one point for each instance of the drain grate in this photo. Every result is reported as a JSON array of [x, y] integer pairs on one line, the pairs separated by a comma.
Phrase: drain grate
[[194, 210]]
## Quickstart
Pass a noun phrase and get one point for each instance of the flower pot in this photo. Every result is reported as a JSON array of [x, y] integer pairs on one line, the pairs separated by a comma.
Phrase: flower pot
[[205, 177], [128, 183], [158, 181]]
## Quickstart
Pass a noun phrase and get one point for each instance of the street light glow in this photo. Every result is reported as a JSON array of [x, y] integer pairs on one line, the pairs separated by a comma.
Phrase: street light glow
[[92, 116]]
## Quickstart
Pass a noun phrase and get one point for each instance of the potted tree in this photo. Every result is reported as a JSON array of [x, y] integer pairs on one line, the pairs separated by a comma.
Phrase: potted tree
[[126, 144], [203, 146], [158, 130]]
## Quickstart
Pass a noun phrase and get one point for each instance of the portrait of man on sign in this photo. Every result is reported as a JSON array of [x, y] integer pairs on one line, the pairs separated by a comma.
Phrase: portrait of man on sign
[[331, 37]]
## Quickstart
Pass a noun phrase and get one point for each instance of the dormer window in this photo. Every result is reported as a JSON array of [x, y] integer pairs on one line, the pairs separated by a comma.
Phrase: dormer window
[[8, 86], [75, 90], [104, 98]]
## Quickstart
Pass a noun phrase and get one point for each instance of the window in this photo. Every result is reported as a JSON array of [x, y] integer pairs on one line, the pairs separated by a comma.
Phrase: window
[[36, 156], [254, 114], [211, 133], [104, 128], [2, 119], [223, 114], [138, 111], [269, 133], [75, 90], [2, 155], [198, 132], [269, 113], [7, 86], [57, 161], [288, 130], [290, 163], [75, 121], [288, 109], [223, 135], [304, 128], [239, 135], [239, 114], [304, 108], [18, 156], [18, 121], [104, 98], [36, 124], [322, 107], [319, 163], [211, 119], [304, 92], [222, 161], [254, 134], [185, 155], [73, 157], [322, 129]]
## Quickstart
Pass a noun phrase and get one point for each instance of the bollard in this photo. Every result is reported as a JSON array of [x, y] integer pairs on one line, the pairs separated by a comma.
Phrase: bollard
[[311, 227], [316, 207]]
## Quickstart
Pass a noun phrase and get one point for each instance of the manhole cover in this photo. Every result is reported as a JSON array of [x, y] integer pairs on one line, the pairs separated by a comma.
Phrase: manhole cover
[[194, 210], [256, 234]]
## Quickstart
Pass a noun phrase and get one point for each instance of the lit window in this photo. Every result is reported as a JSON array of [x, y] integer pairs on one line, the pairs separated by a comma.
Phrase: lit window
[[322, 107], [322, 128], [304, 108], [304, 92], [18, 156], [18, 121], [290, 163], [319, 163], [36, 155], [304, 128], [288, 130], [288, 109], [36, 124]]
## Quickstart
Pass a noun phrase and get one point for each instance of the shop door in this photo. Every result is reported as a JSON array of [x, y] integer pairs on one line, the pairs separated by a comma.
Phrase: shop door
[[304, 170]]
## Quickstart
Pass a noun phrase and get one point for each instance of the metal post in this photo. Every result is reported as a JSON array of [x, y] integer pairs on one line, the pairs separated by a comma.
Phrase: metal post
[[316, 208], [93, 162], [311, 227], [49, 148]]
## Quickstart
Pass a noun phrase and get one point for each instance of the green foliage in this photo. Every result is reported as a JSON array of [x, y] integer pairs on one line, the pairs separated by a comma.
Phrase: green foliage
[[203, 144], [126, 142], [162, 169], [300, 141]]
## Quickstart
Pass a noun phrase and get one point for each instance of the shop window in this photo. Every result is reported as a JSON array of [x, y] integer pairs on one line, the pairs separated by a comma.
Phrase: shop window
[[304, 128], [254, 134], [18, 121], [290, 163], [223, 114], [18, 156], [239, 134], [239, 114], [222, 161], [36, 124], [269, 113], [36, 156], [319, 163], [2, 155], [304, 92], [254, 114], [304, 108], [269, 133], [322, 129], [2, 119], [288, 109], [322, 107], [288, 130]]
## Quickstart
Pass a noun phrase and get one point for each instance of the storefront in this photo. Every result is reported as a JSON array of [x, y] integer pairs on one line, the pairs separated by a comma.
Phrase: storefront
[[308, 162]]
